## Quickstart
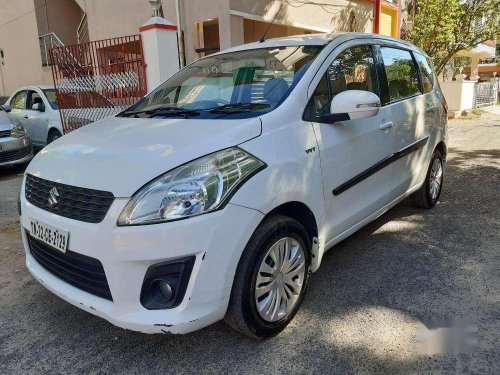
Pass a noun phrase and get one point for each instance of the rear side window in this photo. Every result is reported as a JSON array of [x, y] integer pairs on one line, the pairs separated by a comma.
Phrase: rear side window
[[401, 72], [19, 100], [425, 72]]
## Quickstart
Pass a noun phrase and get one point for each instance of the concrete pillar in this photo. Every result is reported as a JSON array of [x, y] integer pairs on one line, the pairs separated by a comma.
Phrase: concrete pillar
[[161, 53], [474, 68]]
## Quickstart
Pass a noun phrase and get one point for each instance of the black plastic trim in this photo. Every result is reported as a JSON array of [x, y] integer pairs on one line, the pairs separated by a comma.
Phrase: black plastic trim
[[380, 165], [177, 271], [333, 118], [81, 271]]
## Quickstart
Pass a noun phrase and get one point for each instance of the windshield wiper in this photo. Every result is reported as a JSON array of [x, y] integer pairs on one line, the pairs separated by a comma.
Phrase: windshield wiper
[[173, 112], [161, 111], [238, 107]]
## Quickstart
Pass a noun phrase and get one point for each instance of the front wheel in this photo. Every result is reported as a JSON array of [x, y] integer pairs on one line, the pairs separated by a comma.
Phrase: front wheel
[[428, 195], [271, 278]]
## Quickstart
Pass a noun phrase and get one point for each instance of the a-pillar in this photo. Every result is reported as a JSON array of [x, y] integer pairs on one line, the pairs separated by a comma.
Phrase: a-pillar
[[161, 53]]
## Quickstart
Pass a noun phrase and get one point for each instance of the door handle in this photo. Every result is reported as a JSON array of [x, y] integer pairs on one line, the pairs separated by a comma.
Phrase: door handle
[[386, 125], [26, 117]]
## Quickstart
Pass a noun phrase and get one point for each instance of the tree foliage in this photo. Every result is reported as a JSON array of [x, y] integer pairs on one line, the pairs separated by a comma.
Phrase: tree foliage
[[444, 27]]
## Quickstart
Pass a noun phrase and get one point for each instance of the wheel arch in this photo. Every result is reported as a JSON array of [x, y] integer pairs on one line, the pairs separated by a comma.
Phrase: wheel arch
[[441, 147], [53, 129], [300, 212]]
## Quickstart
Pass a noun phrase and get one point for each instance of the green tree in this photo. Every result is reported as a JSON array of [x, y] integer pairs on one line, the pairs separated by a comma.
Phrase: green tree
[[444, 27]]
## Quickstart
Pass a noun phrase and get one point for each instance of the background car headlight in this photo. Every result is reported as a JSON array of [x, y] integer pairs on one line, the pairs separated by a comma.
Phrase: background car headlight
[[18, 130], [194, 188]]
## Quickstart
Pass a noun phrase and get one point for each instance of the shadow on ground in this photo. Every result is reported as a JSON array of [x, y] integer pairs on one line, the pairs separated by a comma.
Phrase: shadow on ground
[[359, 316]]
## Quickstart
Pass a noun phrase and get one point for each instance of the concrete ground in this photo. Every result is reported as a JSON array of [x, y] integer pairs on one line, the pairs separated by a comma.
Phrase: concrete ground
[[366, 311]]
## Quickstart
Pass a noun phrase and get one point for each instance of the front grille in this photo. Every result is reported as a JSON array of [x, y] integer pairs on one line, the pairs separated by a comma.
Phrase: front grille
[[4, 133], [14, 155], [79, 270], [73, 202]]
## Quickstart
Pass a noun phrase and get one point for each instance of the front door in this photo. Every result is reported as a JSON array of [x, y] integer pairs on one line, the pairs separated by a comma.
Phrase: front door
[[18, 105], [36, 121], [353, 153]]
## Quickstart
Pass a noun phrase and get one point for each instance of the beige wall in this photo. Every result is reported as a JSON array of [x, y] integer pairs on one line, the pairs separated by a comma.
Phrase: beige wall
[[19, 40], [331, 18], [242, 21], [61, 17], [115, 18]]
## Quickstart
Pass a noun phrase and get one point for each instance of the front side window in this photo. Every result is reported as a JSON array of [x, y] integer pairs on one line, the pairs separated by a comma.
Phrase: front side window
[[401, 72], [236, 84], [425, 72], [51, 96], [33, 98], [19, 100], [353, 69]]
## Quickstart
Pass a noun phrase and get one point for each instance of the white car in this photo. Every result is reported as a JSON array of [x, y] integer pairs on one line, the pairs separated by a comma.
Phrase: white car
[[216, 195], [36, 108], [15, 145]]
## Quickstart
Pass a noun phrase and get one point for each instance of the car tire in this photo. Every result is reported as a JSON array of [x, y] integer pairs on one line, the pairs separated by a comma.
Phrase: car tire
[[428, 195], [247, 312], [53, 135]]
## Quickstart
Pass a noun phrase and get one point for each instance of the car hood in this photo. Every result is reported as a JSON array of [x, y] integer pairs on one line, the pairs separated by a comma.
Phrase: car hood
[[122, 154]]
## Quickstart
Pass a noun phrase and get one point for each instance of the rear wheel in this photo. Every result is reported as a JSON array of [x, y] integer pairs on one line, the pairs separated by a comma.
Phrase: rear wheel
[[53, 135], [271, 278], [428, 195]]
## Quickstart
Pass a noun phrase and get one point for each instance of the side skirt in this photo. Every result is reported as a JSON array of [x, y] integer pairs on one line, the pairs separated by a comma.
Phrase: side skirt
[[342, 236]]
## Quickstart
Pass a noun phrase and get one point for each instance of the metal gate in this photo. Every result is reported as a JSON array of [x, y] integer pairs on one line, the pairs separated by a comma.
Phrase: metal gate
[[485, 94], [97, 79]]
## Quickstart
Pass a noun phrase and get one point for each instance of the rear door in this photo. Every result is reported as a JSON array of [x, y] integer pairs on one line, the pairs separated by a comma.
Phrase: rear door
[[352, 153], [407, 106]]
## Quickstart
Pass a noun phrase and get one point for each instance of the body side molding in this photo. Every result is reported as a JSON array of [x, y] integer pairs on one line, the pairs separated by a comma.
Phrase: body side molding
[[379, 165]]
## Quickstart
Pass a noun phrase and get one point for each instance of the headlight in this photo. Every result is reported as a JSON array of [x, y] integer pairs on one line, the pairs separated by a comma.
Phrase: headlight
[[18, 130], [194, 188]]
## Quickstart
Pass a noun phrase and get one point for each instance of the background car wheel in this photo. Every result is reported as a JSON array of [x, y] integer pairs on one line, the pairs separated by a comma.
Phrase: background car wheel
[[271, 278], [428, 195], [53, 135]]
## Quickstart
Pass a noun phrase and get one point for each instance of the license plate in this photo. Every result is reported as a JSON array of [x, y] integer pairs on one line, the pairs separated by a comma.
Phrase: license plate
[[55, 237]]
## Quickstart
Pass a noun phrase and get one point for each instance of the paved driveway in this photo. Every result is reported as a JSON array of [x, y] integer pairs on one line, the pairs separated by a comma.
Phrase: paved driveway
[[362, 314]]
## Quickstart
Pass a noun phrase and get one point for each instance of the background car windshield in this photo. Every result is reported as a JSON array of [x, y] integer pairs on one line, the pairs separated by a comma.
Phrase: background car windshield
[[78, 99], [237, 84]]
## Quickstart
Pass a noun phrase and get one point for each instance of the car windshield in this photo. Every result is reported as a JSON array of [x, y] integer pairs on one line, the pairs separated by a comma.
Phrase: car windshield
[[232, 85]]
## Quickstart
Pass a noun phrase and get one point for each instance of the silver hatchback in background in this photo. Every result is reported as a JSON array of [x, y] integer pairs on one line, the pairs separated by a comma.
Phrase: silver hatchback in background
[[15, 144]]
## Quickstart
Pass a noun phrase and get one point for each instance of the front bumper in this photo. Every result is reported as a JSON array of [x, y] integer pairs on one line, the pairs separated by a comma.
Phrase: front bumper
[[216, 240], [15, 151]]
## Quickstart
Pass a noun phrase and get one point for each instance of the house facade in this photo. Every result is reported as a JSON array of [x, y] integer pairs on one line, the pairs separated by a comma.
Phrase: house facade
[[28, 28]]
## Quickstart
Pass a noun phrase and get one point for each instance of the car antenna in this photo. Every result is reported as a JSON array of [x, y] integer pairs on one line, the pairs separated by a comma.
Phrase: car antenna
[[263, 39]]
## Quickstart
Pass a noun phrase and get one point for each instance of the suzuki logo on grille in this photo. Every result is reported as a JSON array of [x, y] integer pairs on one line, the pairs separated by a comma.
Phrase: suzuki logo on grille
[[53, 195]]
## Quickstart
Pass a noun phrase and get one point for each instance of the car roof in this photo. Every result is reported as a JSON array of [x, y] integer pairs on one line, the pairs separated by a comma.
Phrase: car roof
[[315, 40], [41, 87]]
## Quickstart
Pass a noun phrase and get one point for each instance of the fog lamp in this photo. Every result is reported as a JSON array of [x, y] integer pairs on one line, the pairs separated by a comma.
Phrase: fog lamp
[[165, 283], [162, 290]]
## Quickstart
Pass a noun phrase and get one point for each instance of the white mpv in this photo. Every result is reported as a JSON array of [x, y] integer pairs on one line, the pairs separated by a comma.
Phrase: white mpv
[[216, 195]]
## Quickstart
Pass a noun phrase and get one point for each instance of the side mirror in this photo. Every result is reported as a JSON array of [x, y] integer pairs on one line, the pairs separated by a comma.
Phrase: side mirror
[[6, 107], [352, 105], [38, 107]]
